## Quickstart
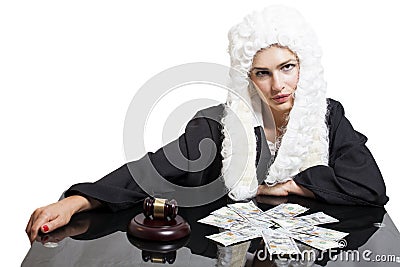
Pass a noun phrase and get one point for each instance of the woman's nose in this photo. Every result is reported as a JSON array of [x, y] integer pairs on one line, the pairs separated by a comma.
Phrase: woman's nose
[[277, 83]]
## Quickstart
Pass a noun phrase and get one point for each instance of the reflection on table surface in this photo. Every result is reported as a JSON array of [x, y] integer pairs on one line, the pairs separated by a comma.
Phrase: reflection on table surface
[[99, 238]]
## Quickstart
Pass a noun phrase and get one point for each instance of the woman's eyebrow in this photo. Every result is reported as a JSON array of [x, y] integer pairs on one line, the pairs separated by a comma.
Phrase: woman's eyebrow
[[280, 65], [286, 62], [259, 68]]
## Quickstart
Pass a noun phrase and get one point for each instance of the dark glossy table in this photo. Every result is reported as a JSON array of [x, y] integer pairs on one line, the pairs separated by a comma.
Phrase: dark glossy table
[[99, 238]]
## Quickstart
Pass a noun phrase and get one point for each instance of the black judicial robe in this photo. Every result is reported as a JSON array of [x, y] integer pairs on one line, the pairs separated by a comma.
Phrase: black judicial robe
[[351, 178]]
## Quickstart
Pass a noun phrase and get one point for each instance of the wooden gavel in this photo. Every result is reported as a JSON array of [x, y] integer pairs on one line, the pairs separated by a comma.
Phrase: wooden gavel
[[160, 208]]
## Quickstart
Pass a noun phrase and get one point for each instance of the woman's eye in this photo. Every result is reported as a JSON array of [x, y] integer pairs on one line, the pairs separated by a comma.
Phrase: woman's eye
[[288, 67], [262, 73]]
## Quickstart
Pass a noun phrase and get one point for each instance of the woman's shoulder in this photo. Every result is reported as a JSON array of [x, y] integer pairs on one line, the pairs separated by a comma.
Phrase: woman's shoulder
[[334, 105], [206, 122], [335, 109], [210, 116], [213, 112]]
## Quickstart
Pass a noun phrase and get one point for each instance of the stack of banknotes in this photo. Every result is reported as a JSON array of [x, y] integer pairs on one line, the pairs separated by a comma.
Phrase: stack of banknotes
[[279, 227]]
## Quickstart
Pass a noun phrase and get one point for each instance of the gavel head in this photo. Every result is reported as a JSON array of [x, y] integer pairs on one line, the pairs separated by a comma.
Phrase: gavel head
[[160, 208]]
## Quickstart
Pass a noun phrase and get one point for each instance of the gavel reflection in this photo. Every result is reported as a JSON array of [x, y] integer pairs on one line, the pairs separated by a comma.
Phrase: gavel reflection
[[155, 257], [160, 208]]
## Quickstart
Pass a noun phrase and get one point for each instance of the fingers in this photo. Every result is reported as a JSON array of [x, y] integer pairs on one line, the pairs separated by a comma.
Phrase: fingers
[[56, 223], [261, 190], [51, 217], [264, 190], [284, 189], [46, 219], [30, 230], [53, 236], [37, 222], [29, 226]]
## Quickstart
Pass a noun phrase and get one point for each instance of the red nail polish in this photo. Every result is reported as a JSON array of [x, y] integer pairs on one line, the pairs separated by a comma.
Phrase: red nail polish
[[45, 228]]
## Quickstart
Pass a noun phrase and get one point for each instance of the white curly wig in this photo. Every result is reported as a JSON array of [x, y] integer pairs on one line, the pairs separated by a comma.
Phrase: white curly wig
[[305, 141]]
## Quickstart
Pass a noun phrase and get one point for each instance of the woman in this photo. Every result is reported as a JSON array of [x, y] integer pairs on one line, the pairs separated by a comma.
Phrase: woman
[[278, 98]]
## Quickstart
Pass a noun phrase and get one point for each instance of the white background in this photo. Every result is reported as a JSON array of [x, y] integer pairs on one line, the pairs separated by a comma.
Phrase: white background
[[68, 71]]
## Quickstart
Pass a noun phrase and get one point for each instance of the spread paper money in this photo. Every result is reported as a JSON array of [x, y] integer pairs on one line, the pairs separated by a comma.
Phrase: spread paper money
[[279, 227]]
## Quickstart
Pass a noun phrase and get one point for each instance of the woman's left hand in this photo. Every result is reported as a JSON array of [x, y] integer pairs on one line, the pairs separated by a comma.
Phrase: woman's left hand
[[284, 189]]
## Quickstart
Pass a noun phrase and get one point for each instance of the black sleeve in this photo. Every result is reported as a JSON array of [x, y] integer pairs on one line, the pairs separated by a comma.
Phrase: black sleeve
[[118, 190], [352, 176]]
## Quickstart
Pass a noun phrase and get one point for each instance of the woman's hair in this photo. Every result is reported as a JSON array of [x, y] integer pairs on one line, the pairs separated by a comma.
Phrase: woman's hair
[[305, 142]]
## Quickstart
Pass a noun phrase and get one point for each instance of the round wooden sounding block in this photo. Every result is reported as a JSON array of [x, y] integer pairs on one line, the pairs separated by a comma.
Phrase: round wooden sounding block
[[159, 222]]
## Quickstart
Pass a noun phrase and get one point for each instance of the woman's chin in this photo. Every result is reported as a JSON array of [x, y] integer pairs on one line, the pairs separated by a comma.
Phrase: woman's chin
[[281, 107]]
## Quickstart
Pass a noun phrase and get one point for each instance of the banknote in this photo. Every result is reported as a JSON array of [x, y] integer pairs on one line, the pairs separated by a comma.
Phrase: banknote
[[263, 217], [320, 232], [246, 208], [278, 243], [228, 237], [315, 241], [248, 230], [318, 218], [260, 223], [237, 227], [218, 221], [291, 222], [227, 213], [286, 210]]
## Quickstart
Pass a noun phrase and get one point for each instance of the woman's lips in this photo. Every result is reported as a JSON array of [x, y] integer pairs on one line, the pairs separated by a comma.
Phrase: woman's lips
[[281, 98]]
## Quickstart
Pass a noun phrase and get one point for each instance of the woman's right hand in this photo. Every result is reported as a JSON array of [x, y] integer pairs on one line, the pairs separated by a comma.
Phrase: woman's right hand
[[56, 215]]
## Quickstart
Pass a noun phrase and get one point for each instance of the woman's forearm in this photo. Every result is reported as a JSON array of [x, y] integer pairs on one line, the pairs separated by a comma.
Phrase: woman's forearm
[[79, 203], [295, 189]]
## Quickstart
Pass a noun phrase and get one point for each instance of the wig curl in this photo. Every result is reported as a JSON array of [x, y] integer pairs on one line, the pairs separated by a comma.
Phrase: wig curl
[[305, 141]]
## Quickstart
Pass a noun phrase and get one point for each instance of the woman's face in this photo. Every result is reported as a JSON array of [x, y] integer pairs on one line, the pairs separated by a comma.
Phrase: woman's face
[[275, 73]]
